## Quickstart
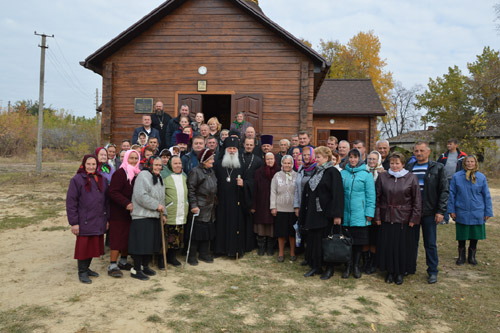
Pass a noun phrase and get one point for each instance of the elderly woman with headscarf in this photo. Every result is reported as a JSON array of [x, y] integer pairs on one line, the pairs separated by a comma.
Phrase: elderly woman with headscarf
[[148, 199], [120, 194], [87, 209], [359, 207], [374, 166], [202, 189], [322, 205], [282, 195], [263, 220], [305, 169], [103, 166], [176, 192], [470, 206]]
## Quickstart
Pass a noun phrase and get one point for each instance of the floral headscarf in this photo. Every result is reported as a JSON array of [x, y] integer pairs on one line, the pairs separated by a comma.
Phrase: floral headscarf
[[95, 175], [312, 160], [148, 165]]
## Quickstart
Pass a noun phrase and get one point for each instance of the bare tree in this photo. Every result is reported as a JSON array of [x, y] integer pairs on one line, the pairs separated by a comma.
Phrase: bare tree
[[402, 116], [497, 14]]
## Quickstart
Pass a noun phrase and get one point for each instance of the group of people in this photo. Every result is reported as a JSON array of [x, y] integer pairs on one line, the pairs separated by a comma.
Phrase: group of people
[[214, 192]]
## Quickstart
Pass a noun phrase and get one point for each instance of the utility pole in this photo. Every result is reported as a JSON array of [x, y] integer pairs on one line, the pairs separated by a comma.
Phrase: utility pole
[[97, 122], [40, 104]]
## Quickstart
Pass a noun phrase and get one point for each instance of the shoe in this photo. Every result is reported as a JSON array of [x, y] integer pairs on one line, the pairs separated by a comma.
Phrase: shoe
[[271, 243], [261, 245], [115, 272], [193, 261], [472, 256], [327, 274], [204, 250], [312, 272], [433, 278], [172, 258], [161, 263], [92, 273], [347, 272], [461, 256], [293, 258], [126, 267], [83, 274], [148, 271], [206, 258], [399, 279], [139, 275], [389, 278], [304, 263], [281, 258], [356, 271]]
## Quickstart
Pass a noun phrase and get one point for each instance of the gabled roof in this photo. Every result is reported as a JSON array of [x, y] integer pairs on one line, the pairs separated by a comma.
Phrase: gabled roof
[[94, 61], [413, 136], [348, 97]]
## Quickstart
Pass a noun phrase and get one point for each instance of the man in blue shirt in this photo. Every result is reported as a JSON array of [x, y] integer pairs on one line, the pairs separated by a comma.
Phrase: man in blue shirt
[[434, 190]]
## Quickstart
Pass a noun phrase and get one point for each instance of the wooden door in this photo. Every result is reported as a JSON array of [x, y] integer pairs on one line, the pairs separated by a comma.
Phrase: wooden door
[[322, 136], [194, 103], [354, 135], [251, 104]]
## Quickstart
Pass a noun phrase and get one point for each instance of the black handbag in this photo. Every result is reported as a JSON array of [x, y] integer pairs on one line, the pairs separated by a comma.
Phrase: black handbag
[[337, 247]]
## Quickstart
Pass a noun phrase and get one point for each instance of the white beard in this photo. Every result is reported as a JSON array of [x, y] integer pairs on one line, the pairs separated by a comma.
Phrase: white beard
[[231, 161]]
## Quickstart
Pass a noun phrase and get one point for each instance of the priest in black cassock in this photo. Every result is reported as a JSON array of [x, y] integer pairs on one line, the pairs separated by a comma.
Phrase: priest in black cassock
[[250, 163], [230, 224]]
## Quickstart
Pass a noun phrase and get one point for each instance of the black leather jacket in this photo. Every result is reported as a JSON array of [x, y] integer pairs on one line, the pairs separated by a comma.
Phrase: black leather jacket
[[202, 192], [435, 196]]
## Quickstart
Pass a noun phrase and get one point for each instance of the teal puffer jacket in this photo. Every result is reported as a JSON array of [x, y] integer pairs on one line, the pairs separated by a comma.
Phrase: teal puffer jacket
[[360, 197]]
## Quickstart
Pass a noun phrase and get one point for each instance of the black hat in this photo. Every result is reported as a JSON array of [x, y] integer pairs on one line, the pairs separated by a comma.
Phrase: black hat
[[266, 140], [231, 142]]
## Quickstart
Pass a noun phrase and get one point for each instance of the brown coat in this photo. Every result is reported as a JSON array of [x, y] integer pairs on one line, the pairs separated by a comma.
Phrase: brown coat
[[398, 200]]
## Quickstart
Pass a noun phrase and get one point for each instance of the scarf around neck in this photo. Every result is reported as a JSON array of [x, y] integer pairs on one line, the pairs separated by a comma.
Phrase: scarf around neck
[[318, 174], [399, 174]]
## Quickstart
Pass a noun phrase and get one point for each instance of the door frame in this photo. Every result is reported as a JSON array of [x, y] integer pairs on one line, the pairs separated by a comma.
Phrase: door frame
[[194, 92]]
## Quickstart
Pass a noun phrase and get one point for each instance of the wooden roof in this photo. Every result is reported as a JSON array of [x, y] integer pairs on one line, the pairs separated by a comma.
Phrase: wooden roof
[[348, 97], [95, 60]]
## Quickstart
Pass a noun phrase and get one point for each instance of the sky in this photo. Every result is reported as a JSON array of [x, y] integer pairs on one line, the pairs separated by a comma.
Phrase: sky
[[419, 39]]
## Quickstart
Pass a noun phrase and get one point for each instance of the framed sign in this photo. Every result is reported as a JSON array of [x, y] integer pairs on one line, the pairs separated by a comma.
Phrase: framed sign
[[143, 105], [202, 85]]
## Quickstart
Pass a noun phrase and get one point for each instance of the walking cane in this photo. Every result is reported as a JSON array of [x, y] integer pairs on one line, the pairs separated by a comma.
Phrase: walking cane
[[190, 235], [163, 239]]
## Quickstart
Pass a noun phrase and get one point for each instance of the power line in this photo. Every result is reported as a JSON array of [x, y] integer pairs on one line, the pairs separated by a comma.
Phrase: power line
[[67, 63]]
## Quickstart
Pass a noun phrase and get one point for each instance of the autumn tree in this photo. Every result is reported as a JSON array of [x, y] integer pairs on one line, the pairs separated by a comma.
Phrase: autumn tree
[[484, 81], [402, 114], [359, 59]]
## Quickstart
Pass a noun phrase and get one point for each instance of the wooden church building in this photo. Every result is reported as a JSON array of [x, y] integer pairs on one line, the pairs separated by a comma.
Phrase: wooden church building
[[217, 56]]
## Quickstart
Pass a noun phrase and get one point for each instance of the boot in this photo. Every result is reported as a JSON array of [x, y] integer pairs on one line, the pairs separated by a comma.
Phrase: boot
[[328, 273], [192, 260], [366, 256], [472, 256], [399, 279], [461, 256], [261, 243], [203, 247], [161, 262], [271, 243], [172, 258], [371, 268], [347, 272], [313, 272], [356, 271], [89, 271], [83, 274]]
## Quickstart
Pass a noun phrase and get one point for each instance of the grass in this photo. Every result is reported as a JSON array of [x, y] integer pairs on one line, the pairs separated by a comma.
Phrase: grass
[[17, 221], [154, 319], [55, 228], [23, 318], [74, 299]]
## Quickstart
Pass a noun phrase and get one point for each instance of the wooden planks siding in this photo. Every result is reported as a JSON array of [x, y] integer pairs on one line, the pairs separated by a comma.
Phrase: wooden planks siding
[[240, 53]]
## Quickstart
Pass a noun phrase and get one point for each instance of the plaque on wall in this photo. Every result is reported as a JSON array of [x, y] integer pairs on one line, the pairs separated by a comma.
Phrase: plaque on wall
[[143, 105], [202, 85]]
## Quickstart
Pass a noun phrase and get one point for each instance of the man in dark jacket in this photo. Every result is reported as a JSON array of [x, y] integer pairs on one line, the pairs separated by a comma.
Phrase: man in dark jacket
[[452, 160], [159, 120], [146, 128], [190, 160], [173, 125], [383, 147], [434, 189]]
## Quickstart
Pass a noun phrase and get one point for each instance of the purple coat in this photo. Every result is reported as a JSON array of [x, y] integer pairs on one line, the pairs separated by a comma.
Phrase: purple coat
[[90, 210]]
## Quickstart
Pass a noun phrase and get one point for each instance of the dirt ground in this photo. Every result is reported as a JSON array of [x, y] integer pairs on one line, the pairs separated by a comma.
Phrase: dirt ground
[[39, 276]]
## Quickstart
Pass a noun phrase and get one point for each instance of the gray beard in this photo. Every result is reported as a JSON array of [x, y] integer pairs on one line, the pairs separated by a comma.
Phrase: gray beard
[[231, 161]]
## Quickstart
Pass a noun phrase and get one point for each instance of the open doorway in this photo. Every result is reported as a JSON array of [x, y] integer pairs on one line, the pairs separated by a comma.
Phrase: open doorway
[[340, 134], [217, 106]]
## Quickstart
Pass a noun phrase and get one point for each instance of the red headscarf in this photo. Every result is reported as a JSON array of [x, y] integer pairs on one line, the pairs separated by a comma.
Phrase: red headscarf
[[96, 175]]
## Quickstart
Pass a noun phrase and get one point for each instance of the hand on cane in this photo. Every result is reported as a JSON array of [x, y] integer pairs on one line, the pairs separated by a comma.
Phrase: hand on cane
[[195, 210]]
